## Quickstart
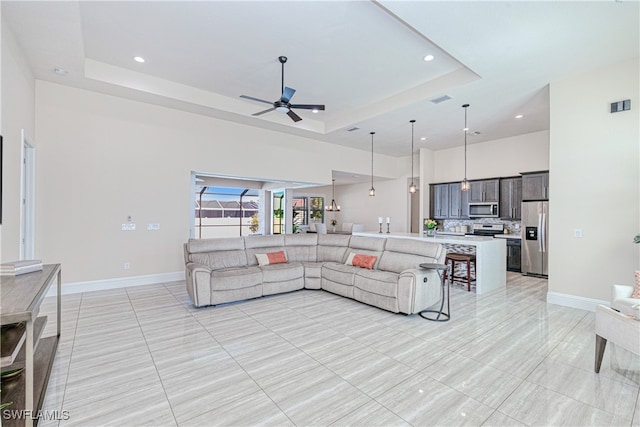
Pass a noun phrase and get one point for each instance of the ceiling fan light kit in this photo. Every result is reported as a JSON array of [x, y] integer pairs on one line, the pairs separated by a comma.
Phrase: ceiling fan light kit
[[283, 105]]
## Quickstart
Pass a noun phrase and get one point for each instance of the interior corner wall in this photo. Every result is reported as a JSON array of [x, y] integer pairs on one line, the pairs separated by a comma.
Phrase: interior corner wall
[[427, 176], [594, 182], [102, 158], [391, 200], [18, 112]]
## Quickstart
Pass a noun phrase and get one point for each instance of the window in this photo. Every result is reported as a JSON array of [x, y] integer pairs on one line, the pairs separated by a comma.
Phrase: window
[[307, 211], [225, 211], [278, 213]]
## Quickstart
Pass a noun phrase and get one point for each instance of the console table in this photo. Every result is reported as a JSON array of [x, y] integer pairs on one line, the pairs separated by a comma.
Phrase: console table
[[21, 299]]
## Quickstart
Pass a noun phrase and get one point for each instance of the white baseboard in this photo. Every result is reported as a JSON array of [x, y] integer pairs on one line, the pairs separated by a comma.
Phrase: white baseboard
[[122, 282], [574, 301]]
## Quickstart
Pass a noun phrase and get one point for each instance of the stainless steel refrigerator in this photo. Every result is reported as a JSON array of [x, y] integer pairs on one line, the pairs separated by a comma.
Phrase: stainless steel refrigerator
[[535, 237]]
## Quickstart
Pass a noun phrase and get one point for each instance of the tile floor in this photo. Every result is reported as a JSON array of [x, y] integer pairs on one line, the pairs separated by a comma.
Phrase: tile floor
[[144, 356]]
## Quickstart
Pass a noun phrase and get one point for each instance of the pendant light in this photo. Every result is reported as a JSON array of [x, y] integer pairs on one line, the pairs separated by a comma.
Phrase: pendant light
[[465, 185], [333, 206], [372, 191], [412, 187]]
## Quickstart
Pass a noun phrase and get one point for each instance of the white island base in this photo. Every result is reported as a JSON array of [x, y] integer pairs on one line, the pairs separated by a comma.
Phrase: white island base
[[491, 256]]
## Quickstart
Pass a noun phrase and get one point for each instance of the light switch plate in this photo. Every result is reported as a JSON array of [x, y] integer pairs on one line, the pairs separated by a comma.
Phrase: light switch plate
[[151, 227], [128, 227]]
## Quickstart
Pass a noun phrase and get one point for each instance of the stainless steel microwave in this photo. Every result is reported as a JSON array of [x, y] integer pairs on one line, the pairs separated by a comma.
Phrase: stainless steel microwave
[[483, 210]]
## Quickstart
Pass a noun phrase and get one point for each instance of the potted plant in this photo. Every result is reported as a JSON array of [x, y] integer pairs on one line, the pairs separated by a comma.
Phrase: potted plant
[[430, 225], [254, 224], [333, 224], [636, 239]]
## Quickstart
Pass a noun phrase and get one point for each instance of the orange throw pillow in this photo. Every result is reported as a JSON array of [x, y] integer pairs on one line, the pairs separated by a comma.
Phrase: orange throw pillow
[[364, 261], [272, 258], [277, 257], [636, 290]]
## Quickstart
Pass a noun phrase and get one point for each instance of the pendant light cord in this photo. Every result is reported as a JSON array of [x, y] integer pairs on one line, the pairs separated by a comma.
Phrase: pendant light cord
[[412, 123]]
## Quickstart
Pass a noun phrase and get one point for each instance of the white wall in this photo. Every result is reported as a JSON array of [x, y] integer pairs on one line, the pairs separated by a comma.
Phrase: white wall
[[491, 159], [391, 200], [18, 106], [594, 182], [102, 158]]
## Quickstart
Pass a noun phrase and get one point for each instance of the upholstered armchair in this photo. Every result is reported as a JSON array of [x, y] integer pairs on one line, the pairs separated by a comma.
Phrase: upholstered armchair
[[621, 300], [620, 329]]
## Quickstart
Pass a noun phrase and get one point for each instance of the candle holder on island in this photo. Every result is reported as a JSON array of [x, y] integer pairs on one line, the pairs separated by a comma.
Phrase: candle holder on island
[[387, 228], [380, 228]]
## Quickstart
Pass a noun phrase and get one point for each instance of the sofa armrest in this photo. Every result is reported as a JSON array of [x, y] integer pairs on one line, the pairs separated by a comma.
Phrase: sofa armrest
[[198, 278], [418, 289], [621, 291]]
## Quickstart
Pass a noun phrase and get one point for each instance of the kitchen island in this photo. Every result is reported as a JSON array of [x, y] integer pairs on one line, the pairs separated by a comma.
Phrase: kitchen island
[[491, 255]]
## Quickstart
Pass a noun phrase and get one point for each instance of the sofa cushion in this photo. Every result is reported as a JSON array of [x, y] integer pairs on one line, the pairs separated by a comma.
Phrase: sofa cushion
[[218, 253], [301, 247], [405, 254], [377, 282], [235, 278], [262, 244], [339, 273], [312, 269], [371, 246], [282, 272], [374, 244], [195, 246], [271, 258], [333, 247]]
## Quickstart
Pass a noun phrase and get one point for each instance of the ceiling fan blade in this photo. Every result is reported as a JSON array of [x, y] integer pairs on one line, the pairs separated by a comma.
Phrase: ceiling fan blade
[[287, 94], [255, 99], [262, 112], [308, 107], [294, 116]]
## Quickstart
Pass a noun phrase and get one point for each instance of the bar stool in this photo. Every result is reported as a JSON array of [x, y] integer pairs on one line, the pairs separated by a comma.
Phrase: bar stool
[[468, 259]]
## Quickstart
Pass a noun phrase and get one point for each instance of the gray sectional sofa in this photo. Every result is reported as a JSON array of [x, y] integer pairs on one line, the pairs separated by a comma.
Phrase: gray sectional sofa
[[225, 270]]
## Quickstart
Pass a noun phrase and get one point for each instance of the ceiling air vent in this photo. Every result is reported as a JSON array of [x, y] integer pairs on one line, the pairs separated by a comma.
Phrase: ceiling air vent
[[353, 129], [440, 99]]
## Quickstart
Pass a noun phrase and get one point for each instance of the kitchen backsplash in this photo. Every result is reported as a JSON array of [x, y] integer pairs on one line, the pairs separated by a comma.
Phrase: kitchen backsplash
[[510, 227]]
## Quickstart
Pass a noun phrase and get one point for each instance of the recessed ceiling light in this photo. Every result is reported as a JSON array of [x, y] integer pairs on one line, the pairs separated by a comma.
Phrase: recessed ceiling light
[[424, 138], [60, 71], [519, 116], [138, 59], [428, 58]]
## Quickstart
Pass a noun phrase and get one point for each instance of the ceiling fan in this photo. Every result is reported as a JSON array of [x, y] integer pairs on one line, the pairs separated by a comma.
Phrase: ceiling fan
[[283, 105]]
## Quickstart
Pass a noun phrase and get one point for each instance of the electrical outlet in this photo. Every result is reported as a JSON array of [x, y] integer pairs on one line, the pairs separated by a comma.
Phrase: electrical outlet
[[577, 233], [126, 266], [128, 227]]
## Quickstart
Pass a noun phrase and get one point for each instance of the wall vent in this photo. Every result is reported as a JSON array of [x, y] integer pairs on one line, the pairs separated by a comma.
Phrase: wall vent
[[625, 105], [440, 99], [353, 129]]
